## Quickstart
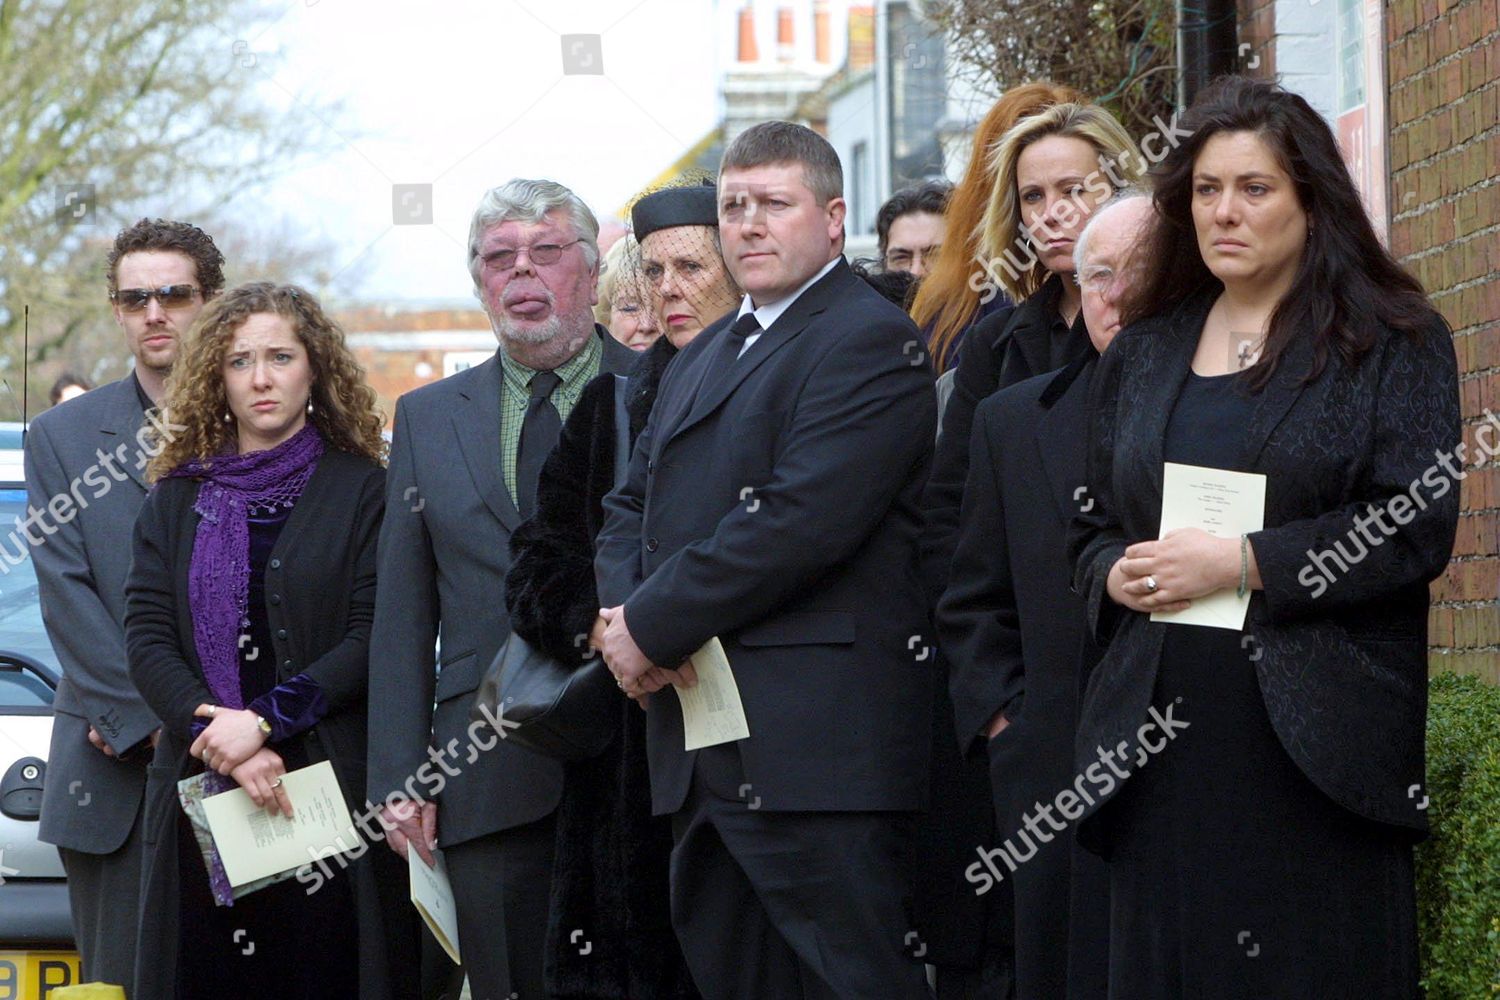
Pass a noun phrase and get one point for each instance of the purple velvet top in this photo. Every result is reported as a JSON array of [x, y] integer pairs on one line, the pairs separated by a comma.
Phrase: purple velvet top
[[298, 703]]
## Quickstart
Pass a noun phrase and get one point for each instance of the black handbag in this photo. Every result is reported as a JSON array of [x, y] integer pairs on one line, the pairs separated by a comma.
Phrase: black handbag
[[562, 710]]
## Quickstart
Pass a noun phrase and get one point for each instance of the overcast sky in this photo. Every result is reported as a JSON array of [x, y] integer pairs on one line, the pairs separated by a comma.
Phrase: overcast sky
[[462, 94]]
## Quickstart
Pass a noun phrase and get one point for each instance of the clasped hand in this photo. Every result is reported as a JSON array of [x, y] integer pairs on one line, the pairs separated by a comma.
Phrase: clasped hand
[[260, 776], [636, 675], [1184, 564], [232, 737], [411, 824]]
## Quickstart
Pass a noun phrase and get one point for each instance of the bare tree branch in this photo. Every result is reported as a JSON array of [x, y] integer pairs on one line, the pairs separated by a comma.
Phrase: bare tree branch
[[158, 106], [1120, 52]]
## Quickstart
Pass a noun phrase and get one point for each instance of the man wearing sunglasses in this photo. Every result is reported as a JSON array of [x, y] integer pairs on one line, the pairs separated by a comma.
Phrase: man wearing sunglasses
[[86, 455]]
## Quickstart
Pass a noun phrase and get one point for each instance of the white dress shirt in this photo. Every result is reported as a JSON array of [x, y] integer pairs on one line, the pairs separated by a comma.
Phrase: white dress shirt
[[770, 312]]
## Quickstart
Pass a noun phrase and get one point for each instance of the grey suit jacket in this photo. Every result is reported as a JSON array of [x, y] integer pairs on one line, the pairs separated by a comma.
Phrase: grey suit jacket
[[88, 449], [444, 553]]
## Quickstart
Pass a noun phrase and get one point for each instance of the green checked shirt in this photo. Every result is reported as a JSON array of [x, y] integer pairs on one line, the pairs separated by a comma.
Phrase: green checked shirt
[[515, 392]]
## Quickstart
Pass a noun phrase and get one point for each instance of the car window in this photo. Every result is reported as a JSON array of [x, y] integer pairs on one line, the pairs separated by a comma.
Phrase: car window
[[21, 629]]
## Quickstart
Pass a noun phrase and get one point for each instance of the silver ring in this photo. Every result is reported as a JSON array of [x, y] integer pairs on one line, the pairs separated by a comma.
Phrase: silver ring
[[276, 783], [211, 710], [1151, 584]]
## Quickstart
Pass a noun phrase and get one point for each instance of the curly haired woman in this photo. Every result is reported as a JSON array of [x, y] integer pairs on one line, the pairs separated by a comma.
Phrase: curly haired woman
[[249, 605]]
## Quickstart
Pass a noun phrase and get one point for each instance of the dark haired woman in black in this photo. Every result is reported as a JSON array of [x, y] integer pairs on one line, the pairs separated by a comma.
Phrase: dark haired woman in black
[[1265, 850]]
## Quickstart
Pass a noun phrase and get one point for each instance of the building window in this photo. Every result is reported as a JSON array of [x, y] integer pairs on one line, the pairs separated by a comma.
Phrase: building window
[[861, 211], [918, 97], [1350, 33]]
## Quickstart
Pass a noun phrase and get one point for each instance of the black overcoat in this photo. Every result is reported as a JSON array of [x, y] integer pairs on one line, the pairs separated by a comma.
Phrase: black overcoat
[[1007, 346], [1015, 637]]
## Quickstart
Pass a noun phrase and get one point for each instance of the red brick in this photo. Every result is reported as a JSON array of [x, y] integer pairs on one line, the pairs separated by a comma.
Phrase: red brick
[[1442, 147]]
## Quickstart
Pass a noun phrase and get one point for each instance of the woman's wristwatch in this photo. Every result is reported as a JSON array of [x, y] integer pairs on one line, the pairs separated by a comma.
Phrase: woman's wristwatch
[[263, 725]]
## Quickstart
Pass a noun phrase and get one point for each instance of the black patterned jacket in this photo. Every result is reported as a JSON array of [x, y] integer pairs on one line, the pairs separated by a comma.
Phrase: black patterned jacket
[[1343, 655]]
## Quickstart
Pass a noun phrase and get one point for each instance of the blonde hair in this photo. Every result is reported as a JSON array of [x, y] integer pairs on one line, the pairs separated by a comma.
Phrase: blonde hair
[[622, 265], [1000, 233], [343, 405], [945, 301]]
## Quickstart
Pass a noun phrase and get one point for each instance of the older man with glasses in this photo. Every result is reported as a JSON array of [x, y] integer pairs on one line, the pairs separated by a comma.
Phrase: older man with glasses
[[1017, 636], [160, 274], [465, 457]]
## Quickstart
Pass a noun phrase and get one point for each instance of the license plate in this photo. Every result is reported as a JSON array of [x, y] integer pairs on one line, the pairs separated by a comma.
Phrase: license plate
[[32, 975]]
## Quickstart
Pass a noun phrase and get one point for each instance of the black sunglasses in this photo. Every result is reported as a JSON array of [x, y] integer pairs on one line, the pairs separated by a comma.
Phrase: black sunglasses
[[170, 297]]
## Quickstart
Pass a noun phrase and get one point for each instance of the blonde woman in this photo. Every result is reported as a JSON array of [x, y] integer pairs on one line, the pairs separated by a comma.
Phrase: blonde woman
[[248, 611], [625, 306], [1052, 170], [947, 306]]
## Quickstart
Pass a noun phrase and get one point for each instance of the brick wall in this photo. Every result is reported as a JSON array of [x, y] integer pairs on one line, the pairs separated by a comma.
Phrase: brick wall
[[393, 371], [1443, 66]]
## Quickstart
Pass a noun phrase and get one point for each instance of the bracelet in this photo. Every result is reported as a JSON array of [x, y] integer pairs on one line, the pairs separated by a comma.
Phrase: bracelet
[[1244, 567]]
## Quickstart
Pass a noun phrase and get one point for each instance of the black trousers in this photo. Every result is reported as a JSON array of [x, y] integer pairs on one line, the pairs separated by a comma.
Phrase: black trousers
[[789, 904], [501, 883]]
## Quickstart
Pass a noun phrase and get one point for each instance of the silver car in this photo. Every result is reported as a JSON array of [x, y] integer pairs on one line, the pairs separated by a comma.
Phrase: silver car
[[36, 937]]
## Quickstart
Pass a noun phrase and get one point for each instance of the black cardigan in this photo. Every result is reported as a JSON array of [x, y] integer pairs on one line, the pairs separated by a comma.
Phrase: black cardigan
[[322, 569]]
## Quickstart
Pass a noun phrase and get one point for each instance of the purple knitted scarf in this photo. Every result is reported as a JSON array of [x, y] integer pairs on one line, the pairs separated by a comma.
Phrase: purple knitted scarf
[[219, 571], [219, 574]]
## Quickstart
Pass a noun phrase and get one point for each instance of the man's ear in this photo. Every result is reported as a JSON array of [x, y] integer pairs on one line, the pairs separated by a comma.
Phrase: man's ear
[[836, 209]]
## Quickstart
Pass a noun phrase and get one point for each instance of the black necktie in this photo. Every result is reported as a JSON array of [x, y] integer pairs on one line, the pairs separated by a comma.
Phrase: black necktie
[[746, 326], [743, 328], [539, 432]]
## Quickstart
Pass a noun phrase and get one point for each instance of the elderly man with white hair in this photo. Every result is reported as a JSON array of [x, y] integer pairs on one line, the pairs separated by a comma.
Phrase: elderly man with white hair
[[1016, 637], [465, 456]]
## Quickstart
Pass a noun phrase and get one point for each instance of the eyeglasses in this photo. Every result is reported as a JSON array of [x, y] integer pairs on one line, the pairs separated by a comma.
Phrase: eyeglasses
[[170, 296], [542, 253], [1095, 279], [902, 260]]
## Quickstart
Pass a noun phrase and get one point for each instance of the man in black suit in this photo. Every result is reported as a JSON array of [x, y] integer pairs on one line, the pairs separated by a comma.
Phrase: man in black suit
[[464, 462], [772, 502], [95, 447], [1017, 636]]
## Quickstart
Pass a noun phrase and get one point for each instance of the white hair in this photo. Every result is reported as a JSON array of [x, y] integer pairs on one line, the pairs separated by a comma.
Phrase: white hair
[[523, 200], [1127, 194]]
